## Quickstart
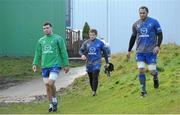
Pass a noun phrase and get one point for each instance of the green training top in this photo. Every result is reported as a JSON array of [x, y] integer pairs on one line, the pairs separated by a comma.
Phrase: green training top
[[51, 50]]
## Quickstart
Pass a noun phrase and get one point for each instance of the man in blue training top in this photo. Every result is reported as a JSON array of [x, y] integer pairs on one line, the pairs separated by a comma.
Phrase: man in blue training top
[[148, 36], [91, 51]]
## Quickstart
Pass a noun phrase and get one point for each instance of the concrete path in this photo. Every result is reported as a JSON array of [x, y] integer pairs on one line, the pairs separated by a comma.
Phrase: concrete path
[[28, 91]]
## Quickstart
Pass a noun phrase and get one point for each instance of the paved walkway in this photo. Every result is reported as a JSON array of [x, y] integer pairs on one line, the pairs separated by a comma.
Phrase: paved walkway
[[28, 91]]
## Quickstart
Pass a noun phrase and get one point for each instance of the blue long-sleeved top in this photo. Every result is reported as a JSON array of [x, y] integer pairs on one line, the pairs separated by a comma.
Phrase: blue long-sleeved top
[[93, 49], [146, 33]]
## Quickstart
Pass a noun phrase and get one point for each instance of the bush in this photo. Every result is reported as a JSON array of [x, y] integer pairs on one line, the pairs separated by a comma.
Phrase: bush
[[85, 34]]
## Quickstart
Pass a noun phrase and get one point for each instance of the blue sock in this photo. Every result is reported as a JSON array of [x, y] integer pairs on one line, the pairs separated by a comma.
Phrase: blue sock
[[142, 80]]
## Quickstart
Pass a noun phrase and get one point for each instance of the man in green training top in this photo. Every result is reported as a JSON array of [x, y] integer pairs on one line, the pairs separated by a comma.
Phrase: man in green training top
[[51, 50]]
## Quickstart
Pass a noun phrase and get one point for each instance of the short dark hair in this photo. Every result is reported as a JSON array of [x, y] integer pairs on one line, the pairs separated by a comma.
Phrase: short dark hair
[[93, 31], [144, 7], [47, 23]]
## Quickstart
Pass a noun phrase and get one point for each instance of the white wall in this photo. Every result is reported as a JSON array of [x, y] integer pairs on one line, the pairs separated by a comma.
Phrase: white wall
[[114, 18]]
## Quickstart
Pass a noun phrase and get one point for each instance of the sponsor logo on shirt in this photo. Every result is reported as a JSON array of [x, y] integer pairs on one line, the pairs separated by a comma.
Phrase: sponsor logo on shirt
[[143, 32], [92, 51], [47, 49]]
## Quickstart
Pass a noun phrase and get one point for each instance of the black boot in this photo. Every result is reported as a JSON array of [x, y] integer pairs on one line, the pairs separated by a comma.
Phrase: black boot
[[156, 83]]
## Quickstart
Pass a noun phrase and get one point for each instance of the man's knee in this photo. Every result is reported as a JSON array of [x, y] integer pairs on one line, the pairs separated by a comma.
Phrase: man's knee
[[52, 78], [47, 87], [141, 70], [152, 69], [48, 83], [51, 83], [141, 66], [153, 72]]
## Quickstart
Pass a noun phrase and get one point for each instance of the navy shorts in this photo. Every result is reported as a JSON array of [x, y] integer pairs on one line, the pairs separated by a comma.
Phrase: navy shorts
[[46, 71], [148, 58], [92, 67]]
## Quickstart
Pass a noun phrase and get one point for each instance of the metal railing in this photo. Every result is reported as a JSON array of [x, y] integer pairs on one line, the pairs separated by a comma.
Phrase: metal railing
[[73, 42]]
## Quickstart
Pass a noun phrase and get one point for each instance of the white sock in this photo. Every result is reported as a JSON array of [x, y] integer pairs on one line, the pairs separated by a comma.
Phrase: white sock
[[50, 105], [54, 99]]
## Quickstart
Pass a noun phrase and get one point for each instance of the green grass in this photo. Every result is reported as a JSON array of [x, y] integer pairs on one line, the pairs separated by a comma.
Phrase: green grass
[[17, 68], [120, 93], [20, 68]]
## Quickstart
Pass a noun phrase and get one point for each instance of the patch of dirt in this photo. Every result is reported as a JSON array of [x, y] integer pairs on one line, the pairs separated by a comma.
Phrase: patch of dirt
[[5, 83]]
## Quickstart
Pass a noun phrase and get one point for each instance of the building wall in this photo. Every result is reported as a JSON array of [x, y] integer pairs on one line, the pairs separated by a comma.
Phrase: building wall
[[114, 18], [21, 24], [92, 11]]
